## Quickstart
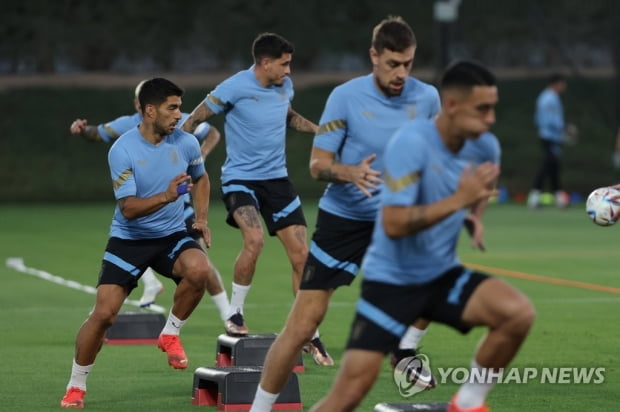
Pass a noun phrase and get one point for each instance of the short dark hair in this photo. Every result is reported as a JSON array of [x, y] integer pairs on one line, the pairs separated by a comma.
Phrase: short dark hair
[[556, 78], [465, 75], [392, 33], [156, 91], [270, 45]]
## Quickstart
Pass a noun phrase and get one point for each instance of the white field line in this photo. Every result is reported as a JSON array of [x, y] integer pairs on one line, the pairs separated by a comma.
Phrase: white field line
[[17, 264]]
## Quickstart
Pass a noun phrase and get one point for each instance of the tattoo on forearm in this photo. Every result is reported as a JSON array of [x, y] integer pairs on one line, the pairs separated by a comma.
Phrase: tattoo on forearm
[[91, 133], [248, 215], [329, 175], [199, 115], [299, 123]]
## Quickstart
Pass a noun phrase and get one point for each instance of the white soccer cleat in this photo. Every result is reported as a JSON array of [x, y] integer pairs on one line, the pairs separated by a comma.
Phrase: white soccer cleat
[[150, 294]]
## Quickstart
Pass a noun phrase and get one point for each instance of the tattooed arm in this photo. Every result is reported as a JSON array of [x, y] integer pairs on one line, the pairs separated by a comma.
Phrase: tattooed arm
[[200, 114], [399, 221], [297, 122], [323, 166], [82, 128]]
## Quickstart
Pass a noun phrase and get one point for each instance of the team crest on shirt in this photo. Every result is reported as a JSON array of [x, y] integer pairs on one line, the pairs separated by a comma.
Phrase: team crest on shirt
[[411, 111], [174, 156], [368, 114]]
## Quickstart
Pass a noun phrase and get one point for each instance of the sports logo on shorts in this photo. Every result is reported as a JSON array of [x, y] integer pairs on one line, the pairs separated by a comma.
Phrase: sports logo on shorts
[[413, 375]]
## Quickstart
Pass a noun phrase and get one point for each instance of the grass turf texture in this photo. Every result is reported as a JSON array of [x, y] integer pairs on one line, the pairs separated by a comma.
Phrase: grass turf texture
[[574, 328]]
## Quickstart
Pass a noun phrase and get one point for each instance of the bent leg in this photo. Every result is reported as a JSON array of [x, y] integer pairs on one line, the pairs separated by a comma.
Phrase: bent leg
[[249, 223], [194, 269], [296, 246], [92, 332], [508, 314]]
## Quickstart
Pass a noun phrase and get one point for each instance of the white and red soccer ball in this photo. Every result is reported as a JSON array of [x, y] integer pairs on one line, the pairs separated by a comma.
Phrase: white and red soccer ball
[[603, 206]]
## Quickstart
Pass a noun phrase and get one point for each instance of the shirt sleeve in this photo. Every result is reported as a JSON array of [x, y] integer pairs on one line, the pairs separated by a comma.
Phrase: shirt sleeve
[[121, 171], [191, 150], [222, 97], [112, 130], [333, 124]]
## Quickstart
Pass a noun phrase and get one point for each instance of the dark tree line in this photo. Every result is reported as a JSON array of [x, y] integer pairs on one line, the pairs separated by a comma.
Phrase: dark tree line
[[191, 35]]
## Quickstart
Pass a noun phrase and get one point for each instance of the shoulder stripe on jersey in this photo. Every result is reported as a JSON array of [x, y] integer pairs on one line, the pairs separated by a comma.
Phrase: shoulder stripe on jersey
[[118, 182], [110, 131], [215, 100], [402, 182], [331, 126]]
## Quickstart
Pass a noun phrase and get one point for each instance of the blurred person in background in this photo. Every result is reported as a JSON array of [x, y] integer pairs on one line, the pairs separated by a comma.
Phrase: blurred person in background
[[553, 132]]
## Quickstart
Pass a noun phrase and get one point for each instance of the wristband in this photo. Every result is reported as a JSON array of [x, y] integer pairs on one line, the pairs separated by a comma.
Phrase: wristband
[[182, 189]]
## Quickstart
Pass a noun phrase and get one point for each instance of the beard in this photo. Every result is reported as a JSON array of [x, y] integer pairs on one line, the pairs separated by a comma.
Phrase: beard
[[389, 92]]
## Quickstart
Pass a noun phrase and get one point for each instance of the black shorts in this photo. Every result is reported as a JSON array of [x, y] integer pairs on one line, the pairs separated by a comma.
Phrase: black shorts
[[275, 199], [125, 260], [385, 311], [336, 251]]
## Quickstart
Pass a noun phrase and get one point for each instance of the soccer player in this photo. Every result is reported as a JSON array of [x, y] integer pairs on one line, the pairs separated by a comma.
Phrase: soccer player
[[150, 166], [205, 133], [552, 133], [411, 269], [359, 117], [257, 106]]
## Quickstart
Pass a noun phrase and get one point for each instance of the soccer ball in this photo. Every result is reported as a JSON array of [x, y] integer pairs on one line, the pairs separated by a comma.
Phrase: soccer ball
[[603, 206]]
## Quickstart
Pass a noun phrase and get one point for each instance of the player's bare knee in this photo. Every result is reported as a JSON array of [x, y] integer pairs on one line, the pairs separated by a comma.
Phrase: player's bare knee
[[521, 315], [198, 275], [253, 242], [298, 259], [103, 318]]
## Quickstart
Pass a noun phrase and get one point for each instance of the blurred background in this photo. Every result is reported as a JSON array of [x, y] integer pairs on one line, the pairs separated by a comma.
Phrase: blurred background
[[66, 59]]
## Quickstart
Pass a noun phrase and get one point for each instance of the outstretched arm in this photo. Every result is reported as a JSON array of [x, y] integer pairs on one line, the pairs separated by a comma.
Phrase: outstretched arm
[[297, 122], [80, 127]]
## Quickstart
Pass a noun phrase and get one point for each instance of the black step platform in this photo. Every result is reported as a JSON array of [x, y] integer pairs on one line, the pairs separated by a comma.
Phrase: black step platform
[[131, 328], [247, 350], [232, 388]]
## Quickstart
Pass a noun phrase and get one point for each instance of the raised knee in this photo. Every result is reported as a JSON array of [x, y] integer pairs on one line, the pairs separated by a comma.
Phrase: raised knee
[[521, 316]]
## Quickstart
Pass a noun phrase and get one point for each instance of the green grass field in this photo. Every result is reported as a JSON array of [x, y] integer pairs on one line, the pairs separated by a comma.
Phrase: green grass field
[[575, 327]]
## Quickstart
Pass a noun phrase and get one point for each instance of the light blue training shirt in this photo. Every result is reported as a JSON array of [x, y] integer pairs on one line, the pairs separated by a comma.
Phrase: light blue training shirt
[[357, 121], [255, 126], [420, 170], [139, 168], [549, 116]]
